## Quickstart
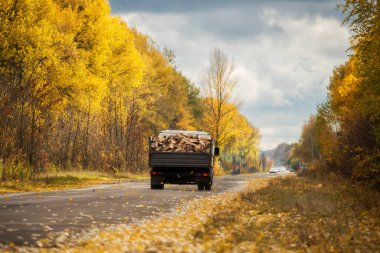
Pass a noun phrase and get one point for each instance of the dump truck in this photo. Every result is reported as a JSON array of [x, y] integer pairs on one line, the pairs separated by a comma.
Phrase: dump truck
[[182, 157]]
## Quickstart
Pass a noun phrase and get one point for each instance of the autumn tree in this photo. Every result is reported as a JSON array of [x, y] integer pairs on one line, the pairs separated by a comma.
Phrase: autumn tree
[[347, 124], [243, 144], [35, 74], [308, 149], [221, 117], [218, 84], [80, 89]]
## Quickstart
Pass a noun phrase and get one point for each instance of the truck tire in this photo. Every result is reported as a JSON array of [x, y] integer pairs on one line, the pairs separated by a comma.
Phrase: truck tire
[[157, 186], [208, 187], [201, 187]]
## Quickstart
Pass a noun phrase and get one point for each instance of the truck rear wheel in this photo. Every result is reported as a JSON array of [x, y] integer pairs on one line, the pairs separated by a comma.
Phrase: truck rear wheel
[[157, 186], [208, 187], [201, 187]]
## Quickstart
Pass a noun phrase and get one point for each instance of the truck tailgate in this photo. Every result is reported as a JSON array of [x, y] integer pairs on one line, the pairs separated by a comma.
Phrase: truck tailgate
[[171, 159]]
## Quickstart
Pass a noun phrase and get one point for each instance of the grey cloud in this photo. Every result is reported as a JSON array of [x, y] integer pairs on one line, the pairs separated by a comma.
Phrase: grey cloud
[[232, 25], [177, 6], [185, 6], [227, 19]]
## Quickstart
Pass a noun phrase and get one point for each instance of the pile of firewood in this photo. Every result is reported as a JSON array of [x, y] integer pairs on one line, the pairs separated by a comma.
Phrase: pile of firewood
[[180, 143]]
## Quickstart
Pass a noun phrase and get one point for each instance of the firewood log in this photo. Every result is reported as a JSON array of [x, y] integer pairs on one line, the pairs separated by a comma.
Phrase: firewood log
[[180, 143]]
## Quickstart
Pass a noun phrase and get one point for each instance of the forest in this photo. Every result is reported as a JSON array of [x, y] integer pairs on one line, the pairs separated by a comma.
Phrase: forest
[[344, 135], [81, 90]]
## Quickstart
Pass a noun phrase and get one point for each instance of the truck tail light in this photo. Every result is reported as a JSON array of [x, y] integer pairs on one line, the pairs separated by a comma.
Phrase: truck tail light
[[155, 173], [203, 174]]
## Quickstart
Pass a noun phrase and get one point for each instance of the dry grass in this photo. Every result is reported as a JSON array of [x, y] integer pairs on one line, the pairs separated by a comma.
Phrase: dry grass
[[65, 180], [301, 214]]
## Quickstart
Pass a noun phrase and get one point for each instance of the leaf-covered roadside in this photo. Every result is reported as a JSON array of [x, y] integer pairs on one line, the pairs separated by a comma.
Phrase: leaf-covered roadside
[[299, 214], [66, 180], [277, 215]]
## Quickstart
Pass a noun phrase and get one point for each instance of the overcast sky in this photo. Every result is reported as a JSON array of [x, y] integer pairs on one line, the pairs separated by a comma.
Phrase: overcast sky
[[284, 51]]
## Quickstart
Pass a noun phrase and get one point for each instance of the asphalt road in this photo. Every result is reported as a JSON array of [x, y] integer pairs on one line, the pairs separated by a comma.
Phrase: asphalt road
[[29, 217]]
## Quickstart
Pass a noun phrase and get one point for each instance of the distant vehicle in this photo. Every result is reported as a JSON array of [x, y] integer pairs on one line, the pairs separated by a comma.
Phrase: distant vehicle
[[273, 170], [179, 165], [235, 171]]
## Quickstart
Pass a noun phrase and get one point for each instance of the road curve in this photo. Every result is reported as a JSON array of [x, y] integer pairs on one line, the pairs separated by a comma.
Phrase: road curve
[[28, 217]]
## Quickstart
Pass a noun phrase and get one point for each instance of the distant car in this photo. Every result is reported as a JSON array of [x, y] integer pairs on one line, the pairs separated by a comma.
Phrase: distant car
[[273, 170], [235, 172]]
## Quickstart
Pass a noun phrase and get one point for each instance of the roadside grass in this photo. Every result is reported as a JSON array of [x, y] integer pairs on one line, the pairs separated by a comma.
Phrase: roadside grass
[[65, 180], [300, 214], [289, 214]]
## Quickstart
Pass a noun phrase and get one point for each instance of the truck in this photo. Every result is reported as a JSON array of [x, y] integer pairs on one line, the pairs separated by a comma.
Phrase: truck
[[179, 162]]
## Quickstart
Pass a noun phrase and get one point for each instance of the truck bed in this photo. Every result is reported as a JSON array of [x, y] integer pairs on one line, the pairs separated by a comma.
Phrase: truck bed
[[172, 159]]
